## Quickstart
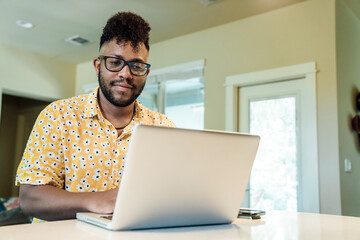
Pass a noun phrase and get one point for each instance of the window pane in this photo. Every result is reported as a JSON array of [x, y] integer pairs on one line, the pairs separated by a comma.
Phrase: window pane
[[148, 97], [273, 181], [187, 115], [185, 102]]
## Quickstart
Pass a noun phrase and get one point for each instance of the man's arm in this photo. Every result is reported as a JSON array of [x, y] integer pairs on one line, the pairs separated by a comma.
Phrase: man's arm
[[51, 203]]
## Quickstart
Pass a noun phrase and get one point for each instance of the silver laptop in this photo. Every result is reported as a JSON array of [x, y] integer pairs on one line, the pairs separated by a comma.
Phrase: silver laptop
[[180, 177]]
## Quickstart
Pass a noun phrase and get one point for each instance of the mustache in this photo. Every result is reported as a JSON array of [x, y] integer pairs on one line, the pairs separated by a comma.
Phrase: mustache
[[126, 80]]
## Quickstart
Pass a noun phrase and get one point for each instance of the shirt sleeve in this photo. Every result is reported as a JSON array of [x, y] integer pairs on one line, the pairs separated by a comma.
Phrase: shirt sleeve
[[42, 162]]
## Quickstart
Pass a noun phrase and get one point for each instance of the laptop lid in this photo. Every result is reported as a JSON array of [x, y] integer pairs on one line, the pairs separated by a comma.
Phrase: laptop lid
[[181, 177]]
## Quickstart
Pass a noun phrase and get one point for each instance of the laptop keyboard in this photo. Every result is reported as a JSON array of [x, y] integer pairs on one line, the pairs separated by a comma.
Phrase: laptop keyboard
[[107, 217]]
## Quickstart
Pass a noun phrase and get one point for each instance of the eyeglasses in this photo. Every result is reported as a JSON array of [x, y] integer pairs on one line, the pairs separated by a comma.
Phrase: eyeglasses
[[115, 64]]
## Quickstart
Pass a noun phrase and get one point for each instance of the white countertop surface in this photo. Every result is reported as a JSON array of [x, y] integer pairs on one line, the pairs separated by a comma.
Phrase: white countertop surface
[[274, 225]]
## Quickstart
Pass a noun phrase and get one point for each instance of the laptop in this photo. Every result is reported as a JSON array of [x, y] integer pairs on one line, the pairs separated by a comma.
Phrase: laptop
[[180, 177]]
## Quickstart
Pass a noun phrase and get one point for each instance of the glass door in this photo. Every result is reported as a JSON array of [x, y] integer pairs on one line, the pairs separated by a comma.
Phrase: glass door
[[285, 172]]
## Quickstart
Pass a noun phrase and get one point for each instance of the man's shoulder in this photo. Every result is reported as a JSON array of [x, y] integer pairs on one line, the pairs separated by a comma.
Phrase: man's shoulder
[[150, 117], [69, 104]]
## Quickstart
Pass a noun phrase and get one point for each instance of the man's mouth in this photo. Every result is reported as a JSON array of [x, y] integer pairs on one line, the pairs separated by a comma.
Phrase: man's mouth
[[122, 85]]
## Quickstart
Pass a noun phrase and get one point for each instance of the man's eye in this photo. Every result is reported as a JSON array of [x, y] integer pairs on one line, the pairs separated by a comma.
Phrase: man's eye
[[115, 62], [138, 66]]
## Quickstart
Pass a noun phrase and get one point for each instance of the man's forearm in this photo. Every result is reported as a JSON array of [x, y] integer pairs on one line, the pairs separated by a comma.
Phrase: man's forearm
[[51, 203]]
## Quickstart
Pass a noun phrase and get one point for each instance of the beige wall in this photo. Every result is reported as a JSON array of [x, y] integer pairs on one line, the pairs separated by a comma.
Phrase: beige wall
[[30, 74], [296, 34], [348, 79]]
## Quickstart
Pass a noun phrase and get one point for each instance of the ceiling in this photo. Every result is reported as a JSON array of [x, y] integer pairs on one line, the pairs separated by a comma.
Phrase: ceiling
[[56, 20]]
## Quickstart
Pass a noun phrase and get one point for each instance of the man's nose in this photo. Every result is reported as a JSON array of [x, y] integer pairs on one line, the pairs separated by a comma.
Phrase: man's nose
[[125, 72]]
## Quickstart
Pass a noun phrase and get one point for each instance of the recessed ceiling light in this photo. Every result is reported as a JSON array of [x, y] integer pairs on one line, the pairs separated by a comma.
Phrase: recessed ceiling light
[[24, 24]]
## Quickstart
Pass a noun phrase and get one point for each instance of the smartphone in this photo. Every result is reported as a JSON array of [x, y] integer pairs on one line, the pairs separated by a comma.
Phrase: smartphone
[[254, 214]]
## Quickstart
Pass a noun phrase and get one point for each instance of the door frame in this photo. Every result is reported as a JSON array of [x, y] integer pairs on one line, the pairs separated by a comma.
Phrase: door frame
[[307, 72], [233, 83]]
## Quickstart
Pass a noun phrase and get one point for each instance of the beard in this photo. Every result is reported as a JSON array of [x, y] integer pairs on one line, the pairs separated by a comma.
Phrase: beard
[[109, 95]]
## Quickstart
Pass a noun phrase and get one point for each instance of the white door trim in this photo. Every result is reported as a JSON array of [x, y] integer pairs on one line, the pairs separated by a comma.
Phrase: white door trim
[[306, 72], [233, 83]]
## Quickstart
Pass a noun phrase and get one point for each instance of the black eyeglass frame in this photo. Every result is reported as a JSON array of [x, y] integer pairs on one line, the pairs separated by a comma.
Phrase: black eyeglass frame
[[125, 63]]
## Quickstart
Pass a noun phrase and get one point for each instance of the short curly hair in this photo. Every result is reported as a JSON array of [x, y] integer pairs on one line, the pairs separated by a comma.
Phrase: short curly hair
[[126, 26]]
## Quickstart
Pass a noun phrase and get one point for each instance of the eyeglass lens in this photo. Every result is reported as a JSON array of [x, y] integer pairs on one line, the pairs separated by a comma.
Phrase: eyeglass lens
[[116, 64]]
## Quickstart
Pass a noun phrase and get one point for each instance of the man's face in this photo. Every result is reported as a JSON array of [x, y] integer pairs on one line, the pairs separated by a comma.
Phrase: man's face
[[121, 88]]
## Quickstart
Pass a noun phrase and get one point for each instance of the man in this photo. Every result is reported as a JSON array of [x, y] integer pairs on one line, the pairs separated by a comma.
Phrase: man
[[77, 149]]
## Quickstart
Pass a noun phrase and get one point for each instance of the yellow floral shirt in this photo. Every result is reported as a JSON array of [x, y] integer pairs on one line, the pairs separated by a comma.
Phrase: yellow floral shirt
[[73, 147]]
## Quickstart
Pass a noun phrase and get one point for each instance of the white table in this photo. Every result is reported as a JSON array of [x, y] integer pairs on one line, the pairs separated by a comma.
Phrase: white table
[[274, 225]]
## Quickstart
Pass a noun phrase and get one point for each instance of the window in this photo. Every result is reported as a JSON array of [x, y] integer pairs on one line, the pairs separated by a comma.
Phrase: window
[[178, 92]]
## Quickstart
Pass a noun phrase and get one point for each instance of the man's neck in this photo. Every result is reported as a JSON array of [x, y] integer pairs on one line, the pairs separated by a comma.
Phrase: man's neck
[[117, 116]]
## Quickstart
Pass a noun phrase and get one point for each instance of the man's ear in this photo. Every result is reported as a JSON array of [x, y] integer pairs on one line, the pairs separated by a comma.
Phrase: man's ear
[[148, 71], [96, 63]]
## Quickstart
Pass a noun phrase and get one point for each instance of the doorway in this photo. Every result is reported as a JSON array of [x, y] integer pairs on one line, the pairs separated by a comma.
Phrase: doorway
[[280, 106], [18, 115], [273, 111]]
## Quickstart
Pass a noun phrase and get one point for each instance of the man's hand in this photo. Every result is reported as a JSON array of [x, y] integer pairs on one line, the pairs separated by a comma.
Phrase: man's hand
[[50, 203], [102, 202]]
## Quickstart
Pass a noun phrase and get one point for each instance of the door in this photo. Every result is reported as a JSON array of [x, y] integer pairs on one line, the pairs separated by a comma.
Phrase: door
[[284, 174]]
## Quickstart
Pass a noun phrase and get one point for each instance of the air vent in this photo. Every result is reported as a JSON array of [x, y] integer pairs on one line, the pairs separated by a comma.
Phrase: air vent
[[77, 40], [208, 2]]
